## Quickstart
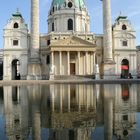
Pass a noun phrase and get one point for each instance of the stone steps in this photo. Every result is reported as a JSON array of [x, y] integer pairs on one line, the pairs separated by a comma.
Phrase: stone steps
[[73, 77]]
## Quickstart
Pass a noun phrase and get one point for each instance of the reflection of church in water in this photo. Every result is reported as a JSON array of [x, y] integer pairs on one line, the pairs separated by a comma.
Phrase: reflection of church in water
[[71, 112]]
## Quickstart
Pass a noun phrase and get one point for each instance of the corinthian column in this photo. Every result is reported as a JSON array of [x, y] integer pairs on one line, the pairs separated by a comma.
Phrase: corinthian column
[[107, 27]]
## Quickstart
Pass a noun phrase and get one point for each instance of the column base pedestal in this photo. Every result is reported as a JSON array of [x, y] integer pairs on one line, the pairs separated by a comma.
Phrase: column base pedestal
[[97, 76], [51, 77], [97, 73], [34, 71], [109, 71]]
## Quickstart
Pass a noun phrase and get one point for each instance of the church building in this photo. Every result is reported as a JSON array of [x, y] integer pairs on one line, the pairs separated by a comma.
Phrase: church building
[[69, 49]]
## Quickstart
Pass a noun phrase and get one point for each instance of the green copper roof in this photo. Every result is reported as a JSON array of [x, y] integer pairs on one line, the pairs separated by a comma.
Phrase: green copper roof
[[17, 14], [80, 3], [76, 3], [121, 17], [57, 2]]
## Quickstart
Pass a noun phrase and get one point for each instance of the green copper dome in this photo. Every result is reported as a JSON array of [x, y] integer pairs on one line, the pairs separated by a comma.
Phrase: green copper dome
[[79, 3], [63, 3]]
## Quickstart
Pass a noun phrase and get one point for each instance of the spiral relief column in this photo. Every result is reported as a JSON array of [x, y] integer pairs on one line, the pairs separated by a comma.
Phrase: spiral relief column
[[108, 62], [34, 66]]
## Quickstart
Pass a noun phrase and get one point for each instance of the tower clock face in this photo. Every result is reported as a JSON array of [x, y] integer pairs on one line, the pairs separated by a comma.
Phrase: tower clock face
[[69, 4]]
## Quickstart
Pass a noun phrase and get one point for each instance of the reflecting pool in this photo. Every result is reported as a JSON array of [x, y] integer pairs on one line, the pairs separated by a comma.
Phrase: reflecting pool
[[70, 112]]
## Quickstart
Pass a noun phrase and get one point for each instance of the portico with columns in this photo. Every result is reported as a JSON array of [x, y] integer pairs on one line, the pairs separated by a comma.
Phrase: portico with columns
[[76, 66], [72, 56]]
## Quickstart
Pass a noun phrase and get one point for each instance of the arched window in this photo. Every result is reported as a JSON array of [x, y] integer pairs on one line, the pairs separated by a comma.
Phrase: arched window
[[70, 24], [53, 9], [15, 25], [53, 26], [15, 69], [124, 27]]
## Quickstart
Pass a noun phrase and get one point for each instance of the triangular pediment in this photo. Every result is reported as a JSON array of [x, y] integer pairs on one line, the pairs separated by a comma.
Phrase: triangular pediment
[[72, 41]]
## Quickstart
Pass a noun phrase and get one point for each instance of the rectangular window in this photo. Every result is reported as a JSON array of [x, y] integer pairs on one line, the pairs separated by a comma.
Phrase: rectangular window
[[71, 134], [48, 42], [15, 42], [48, 59], [125, 117], [52, 26], [124, 43]]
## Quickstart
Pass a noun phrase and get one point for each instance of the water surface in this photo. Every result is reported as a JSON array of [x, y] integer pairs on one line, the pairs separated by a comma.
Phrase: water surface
[[70, 112]]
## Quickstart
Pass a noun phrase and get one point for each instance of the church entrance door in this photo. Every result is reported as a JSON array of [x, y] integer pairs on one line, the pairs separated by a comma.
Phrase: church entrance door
[[125, 68], [72, 68], [15, 70]]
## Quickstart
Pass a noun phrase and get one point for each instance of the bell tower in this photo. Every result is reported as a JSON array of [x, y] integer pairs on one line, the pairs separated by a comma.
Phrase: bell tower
[[15, 54]]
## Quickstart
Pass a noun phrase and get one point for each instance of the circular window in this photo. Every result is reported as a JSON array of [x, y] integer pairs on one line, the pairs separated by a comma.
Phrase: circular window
[[124, 27], [70, 4]]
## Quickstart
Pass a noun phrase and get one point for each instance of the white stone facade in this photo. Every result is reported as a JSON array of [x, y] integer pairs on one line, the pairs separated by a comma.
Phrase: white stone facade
[[124, 45], [69, 48], [59, 16], [16, 44]]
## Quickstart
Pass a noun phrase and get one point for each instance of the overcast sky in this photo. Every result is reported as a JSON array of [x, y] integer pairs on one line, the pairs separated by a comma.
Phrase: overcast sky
[[129, 8]]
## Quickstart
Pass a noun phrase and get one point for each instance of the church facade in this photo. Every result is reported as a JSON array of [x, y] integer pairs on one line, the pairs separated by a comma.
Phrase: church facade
[[69, 49]]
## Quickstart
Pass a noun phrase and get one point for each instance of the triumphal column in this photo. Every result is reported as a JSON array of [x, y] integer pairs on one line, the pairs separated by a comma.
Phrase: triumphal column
[[34, 66], [108, 62]]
